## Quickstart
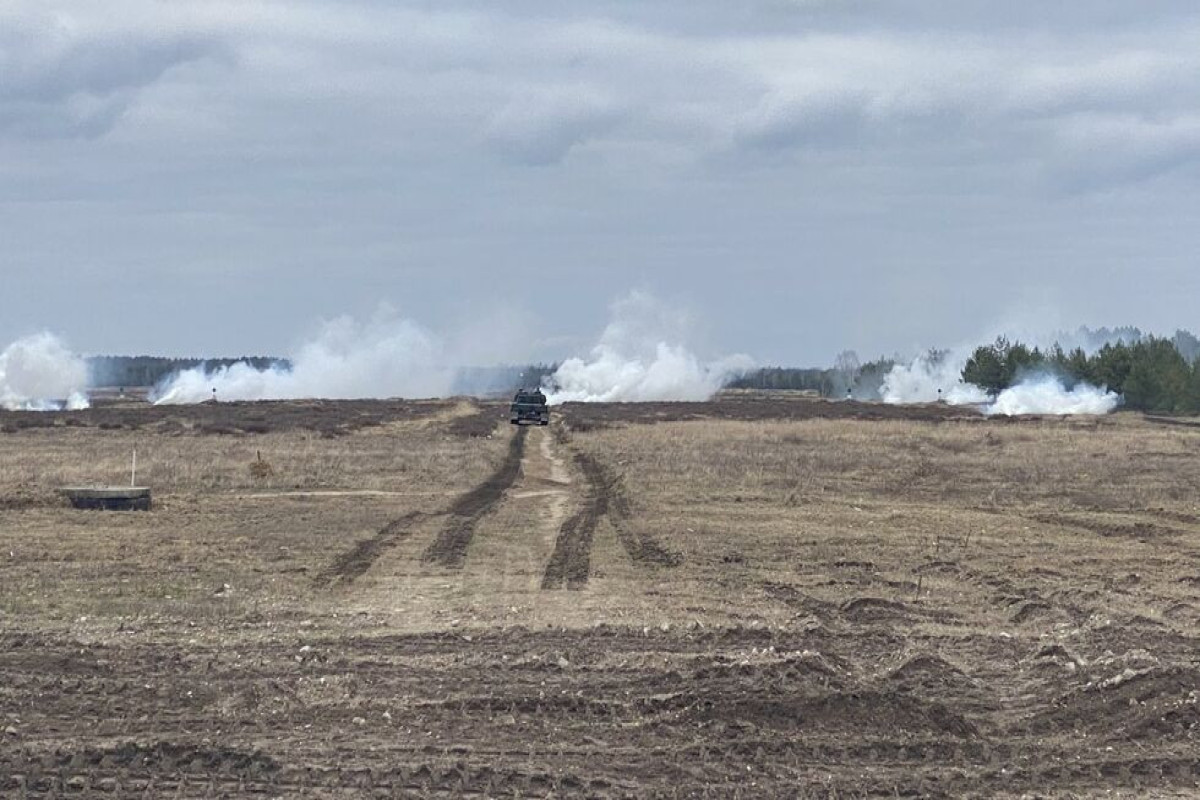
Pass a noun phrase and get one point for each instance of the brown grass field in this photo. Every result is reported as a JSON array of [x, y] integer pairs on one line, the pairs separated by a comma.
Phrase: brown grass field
[[753, 597]]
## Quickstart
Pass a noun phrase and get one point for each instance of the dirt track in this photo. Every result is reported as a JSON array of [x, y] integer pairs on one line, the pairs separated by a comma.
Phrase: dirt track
[[817, 606], [450, 548]]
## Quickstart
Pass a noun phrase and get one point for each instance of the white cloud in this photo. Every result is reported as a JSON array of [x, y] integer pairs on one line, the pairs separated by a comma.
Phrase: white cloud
[[333, 153]]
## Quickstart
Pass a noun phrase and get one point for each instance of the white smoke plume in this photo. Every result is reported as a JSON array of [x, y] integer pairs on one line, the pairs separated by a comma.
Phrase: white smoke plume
[[641, 357], [1046, 394], [385, 357], [39, 373], [930, 378]]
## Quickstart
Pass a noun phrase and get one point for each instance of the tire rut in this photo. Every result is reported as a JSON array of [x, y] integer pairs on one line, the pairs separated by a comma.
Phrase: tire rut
[[450, 548], [354, 563], [570, 564], [641, 546]]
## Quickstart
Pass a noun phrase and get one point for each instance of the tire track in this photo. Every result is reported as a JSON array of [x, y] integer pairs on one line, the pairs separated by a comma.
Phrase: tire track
[[570, 564], [450, 548], [354, 563], [641, 546]]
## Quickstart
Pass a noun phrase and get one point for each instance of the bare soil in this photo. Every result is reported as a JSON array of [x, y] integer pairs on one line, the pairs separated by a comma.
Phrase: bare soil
[[754, 597]]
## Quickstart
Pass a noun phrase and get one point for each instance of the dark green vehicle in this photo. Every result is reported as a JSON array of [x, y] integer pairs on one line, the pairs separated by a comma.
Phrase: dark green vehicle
[[529, 406]]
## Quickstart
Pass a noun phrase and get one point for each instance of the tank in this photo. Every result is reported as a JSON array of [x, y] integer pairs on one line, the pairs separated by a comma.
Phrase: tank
[[529, 408]]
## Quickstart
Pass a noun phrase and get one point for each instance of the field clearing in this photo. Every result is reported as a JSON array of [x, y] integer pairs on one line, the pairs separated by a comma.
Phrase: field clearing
[[758, 596]]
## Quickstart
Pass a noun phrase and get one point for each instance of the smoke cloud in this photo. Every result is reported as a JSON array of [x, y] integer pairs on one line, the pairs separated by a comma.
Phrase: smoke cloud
[[928, 378], [641, 357], [385, 357], [1046, 394], [39, 373], [921, 380]]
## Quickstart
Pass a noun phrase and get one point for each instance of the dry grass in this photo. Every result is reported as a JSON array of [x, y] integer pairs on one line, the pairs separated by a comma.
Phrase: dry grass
[[384, 458], [216, 519], [846, 509]]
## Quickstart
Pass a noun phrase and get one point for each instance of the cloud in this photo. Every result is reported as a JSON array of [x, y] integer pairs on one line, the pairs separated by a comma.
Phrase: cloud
[[542, 129], [57, 80], [830, 154], [1102, 150]]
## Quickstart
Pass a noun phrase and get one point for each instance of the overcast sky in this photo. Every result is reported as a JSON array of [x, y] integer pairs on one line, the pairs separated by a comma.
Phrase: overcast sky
[[802, 176]]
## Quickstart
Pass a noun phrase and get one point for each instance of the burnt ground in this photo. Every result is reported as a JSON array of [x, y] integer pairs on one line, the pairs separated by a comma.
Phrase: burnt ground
[[326, 417], [584, 417], [782, 654]]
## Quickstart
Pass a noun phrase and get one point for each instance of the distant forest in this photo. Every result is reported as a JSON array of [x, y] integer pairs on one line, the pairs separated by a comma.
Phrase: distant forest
[[130, 371], [137, 371], [847, 376], [1151, 373]]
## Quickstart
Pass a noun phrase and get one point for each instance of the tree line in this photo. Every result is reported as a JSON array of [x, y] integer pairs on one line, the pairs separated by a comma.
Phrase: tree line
[[131, 371], [1153, 374], [846, 376]]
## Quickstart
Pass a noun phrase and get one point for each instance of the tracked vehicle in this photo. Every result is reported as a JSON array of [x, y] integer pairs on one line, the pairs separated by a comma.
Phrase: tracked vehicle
[[529, 407]]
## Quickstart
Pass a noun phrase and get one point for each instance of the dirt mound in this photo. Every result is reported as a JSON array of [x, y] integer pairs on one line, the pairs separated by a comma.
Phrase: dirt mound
[[877, 609], [1130, 704], [798, 600], [1037, 611], [930, 673], [1054, 655]]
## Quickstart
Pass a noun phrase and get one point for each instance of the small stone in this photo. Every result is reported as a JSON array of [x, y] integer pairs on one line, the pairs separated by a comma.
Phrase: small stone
[[10, 730], [359, 721], [563, 663]]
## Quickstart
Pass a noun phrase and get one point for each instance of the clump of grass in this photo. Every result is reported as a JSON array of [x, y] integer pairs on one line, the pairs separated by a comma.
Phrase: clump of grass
[[259, 469]]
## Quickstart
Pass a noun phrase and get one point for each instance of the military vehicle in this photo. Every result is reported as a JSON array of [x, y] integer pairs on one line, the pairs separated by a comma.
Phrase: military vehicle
[[529, 406]]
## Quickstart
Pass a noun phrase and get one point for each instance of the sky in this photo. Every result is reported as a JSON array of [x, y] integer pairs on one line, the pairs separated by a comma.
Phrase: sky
[[798, 177]]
